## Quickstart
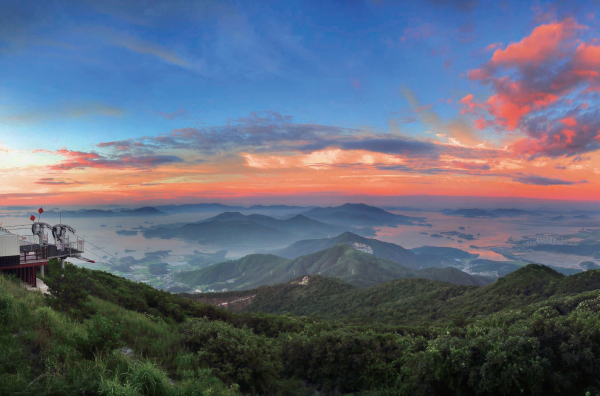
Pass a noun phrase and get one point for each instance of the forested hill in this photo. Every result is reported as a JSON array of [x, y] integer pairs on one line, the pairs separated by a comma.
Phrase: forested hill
[[340, 261], [407, 301], [533, 332], [379, 248]]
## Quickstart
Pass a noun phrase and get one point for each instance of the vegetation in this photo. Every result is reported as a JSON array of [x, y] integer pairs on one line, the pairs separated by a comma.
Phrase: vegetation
[[385, 250], [413, 302], [340, 261], [533, 332]]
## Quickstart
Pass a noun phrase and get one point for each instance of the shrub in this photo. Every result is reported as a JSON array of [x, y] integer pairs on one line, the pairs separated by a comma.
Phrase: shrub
[[345, 361], [150, 380], [68, 291], [235, 355], [9, 308], [102, 334]]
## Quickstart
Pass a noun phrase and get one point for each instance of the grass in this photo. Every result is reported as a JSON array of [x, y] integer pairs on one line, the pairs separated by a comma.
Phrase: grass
[[43, 351], [532, 332]]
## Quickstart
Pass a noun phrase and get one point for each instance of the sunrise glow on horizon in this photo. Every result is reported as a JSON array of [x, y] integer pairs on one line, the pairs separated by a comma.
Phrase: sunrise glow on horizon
[[109, 102]]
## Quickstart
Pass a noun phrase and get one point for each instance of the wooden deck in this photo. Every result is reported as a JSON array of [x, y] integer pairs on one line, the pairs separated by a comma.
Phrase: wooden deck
[[33, 256], [36, 256]]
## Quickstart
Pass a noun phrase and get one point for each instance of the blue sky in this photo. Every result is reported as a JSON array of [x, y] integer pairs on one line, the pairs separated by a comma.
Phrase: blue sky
[[78, 74], [338, 63]]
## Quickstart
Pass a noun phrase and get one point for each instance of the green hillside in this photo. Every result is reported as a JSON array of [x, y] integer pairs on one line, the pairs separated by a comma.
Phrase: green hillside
[[413, 301], [250, 271], [533, 332], [381, 249], [339, 261]]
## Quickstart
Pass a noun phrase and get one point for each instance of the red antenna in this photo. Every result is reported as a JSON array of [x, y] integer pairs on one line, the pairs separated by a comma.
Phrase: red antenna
[[32, 218], [40, 210]]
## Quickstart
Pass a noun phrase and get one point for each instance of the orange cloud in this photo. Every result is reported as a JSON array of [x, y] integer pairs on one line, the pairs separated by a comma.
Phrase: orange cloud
[[569, 121], [530, 89], [545, 42], [540, 89]]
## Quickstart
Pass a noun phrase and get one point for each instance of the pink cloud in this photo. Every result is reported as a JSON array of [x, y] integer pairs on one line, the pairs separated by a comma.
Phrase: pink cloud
[[569, 121], [493, 46], [546, 42], [539, 87], [518, 94]]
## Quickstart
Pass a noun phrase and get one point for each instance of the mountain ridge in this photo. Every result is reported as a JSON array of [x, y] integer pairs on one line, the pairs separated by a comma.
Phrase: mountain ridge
[[340, 261]]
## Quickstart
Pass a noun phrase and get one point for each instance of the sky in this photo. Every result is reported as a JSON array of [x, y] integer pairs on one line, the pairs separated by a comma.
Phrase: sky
[[299, 102]]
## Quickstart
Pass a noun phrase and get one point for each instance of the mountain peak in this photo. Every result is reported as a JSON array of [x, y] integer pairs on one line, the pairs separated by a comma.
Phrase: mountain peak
[[361, 206], [535, 270], [349, 236]]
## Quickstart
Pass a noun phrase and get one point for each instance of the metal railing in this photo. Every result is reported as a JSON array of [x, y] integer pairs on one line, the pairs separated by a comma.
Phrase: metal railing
[[39, 254], [29, 244]]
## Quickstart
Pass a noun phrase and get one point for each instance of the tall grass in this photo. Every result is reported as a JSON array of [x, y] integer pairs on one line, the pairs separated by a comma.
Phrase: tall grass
[[43, 351]]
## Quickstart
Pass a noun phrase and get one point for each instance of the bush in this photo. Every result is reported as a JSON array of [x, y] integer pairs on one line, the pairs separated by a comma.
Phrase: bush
[[150, 380], [9, 308], [345, 361], [236, 356], [68, 291], [102, 334]]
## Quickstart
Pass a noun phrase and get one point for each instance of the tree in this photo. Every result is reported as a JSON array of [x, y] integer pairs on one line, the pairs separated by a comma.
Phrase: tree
[[67, 290]]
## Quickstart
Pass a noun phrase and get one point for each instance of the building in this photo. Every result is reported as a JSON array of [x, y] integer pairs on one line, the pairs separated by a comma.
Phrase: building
[[26, 256]]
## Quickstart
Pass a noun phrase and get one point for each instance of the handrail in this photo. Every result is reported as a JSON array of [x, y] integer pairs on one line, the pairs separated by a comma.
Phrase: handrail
[[40, 254]]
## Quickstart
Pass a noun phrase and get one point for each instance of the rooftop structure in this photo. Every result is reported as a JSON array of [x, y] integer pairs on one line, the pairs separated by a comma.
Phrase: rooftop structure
[[25, 256]]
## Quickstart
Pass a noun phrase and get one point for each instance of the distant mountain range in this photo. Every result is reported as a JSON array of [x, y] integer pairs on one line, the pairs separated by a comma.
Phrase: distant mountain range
[[167, 209], [341, 261], [362, 215], [224, 233], [298, 225], [234, 228], [473, 213], [445, 252], [145, 211], [217, 207]]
